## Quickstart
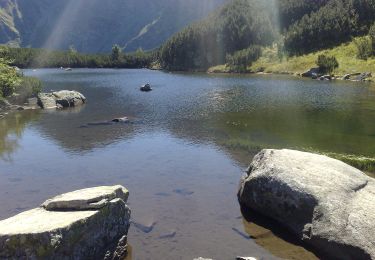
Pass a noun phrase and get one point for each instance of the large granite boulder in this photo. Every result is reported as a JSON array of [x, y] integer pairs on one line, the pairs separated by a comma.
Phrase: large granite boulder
[[85, 224], [61, 99], [324, 202]]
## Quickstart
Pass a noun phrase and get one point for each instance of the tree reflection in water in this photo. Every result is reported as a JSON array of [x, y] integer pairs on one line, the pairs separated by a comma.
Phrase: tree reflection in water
[[11, 130]]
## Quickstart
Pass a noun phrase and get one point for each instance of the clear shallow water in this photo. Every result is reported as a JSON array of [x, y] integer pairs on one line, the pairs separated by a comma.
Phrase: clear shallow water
[[183, 157]]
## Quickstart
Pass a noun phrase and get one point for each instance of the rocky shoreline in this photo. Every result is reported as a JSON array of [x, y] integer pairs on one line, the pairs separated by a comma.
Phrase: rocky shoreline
[[312, 73], [55, 100]]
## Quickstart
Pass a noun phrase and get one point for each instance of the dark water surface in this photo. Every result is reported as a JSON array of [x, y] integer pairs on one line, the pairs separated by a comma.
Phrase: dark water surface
[[183, 155]]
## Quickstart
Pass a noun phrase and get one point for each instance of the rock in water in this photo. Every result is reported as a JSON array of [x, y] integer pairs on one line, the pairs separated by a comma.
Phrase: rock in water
[[67, 98], [63, 98], [146, 88], [362, 76], [121, 120], [85, 224], [326, 203], [309, 73]]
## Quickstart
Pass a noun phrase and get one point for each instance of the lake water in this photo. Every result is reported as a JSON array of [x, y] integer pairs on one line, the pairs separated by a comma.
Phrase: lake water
[[182, 157]]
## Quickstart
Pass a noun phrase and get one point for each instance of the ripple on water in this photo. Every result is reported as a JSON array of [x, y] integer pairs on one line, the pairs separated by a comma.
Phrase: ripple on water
[[183, 162]]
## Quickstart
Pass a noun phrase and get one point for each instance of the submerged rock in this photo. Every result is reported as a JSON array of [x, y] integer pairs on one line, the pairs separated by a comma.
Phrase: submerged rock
[[144, 228], [171, 234], [183, 192], [146, 88], [85, 224], [121, 120], [60, 99], [118, 120], [324, 202]]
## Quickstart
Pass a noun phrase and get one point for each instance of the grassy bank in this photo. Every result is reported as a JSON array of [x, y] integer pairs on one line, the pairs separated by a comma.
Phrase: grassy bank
[[28, 87], [270, 62], [363, 163], [346, 55]]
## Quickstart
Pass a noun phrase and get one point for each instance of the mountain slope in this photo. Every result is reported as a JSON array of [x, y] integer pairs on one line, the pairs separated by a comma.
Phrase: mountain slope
[[234, 33], [95, 25], [236, 26]]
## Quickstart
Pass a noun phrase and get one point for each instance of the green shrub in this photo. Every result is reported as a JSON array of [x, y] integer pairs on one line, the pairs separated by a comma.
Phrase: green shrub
[[327, 64], [28, 87], [9, 79], [364, 48], [33, 85], [372, 38], [116, 52], [240, 60]]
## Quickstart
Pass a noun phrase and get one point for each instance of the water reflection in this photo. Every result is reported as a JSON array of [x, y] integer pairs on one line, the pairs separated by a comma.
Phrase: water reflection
[[11, 129], [182, 158], [77, 133], [239, 113]]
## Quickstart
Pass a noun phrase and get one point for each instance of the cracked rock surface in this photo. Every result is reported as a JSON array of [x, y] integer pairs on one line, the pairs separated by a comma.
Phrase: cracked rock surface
[[60, 99], [92, 198], [326, 203], [85, 224]]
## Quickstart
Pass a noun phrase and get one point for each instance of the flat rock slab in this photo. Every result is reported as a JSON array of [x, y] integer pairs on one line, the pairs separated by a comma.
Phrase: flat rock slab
[[39, 220], [324, 202], [86, 199], [73, 233], [47, 101]]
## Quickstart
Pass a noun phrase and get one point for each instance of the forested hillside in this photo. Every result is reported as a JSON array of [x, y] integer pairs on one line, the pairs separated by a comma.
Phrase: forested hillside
[[235, 33], [236, 26], [334, 23], [95, 25]]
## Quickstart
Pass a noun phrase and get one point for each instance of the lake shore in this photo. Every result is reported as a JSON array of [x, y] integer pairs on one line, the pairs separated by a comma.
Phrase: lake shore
[[224, 69], [193, 139], [271, 62]]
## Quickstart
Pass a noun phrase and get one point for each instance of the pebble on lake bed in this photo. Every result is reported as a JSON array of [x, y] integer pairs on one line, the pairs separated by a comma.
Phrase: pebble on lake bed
[[144, 228]]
